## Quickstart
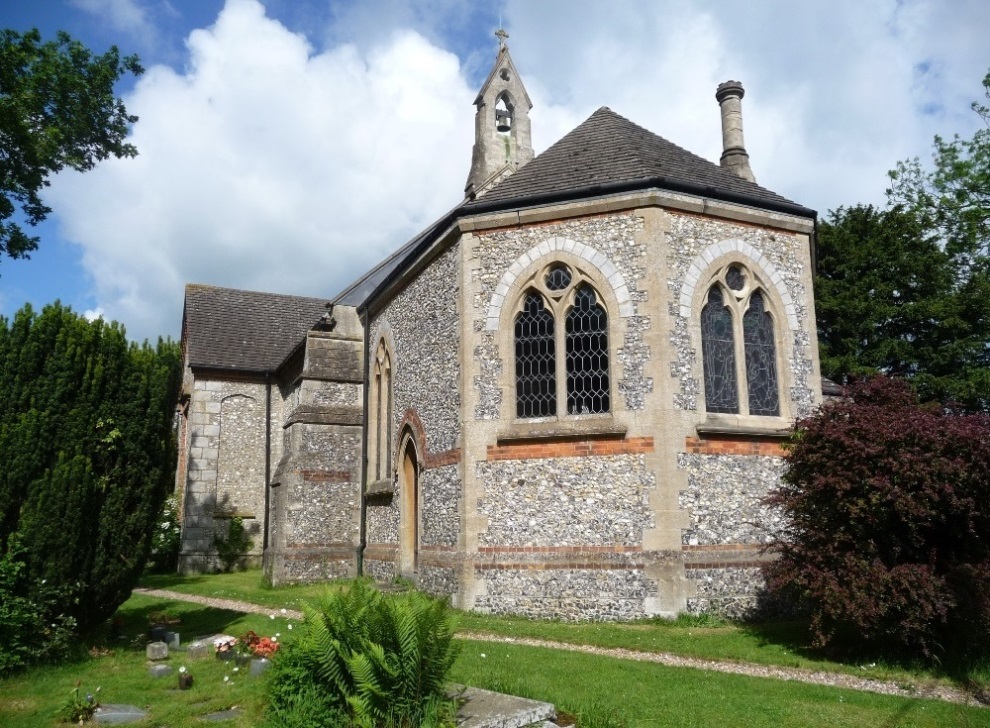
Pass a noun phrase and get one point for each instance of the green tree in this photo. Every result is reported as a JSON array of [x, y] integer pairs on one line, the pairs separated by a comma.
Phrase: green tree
[[906, 290], [57, 110], [954, 196], [890, 298], [88, 452]]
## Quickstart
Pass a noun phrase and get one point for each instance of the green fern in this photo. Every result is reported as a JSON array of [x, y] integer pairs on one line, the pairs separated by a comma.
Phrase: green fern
[[384, 658]]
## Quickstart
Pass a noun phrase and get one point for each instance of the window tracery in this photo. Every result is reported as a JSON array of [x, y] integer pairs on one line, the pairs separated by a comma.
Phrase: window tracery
[[561, 312], [738, 346]]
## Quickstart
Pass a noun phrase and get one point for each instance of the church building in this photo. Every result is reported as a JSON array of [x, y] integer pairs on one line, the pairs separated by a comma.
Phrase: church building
[[565, 398]]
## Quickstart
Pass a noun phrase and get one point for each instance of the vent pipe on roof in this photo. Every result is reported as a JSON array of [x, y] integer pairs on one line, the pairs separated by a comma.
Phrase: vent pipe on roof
[[729, 96]]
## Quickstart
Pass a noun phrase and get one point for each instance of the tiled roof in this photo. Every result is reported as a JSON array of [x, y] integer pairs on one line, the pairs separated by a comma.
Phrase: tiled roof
[[608, 149], [225, 328]]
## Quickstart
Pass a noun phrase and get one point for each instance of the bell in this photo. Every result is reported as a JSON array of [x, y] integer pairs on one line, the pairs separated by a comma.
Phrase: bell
[[503, 122]]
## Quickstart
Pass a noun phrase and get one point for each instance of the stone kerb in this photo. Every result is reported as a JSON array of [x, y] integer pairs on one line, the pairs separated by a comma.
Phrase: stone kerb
[[715, 251], [595, 258]]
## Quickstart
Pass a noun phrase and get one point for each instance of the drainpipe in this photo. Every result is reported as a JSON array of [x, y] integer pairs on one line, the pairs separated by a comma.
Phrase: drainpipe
[[268, 458], [364, 449]]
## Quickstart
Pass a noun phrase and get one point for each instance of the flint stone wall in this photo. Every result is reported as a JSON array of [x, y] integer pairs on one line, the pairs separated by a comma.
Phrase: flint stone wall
[[422, 323], [382, 519], [440, 494], [437, 580], [566, 594], [725, 498], [575, 501], [225, 472], [611, 235], [726, 592], [689, 236]]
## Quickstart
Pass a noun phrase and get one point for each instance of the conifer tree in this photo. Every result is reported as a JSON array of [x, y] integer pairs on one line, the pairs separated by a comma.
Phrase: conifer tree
[[88, 452]]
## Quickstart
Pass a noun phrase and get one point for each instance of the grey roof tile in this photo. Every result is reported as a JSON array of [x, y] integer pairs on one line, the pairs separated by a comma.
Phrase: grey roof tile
[[226, 328], [609, 149]]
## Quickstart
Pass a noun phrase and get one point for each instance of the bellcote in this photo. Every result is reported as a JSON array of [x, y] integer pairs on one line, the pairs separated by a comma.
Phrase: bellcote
[[502, 139]]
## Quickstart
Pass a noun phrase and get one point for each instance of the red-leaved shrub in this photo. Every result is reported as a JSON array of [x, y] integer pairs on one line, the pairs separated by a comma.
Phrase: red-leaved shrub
[[888, 522]]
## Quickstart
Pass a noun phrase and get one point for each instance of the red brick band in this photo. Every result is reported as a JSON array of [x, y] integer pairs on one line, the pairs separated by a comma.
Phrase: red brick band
[[567, 448], [718, 445]]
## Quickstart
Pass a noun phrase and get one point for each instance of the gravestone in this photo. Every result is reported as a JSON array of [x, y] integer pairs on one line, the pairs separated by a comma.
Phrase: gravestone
[[198, 650], [115, 714], [157, 651], [172, 640], [259, 665], [158, 634], [159, 670]]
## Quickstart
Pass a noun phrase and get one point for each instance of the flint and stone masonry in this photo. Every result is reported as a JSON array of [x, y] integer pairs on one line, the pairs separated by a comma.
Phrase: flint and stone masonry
[[382, 437]]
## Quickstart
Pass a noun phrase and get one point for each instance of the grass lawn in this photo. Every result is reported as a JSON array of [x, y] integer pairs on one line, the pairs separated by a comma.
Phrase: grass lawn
[[31, 699], [643, 694], [774, 643], [245, 586], [592, 687]]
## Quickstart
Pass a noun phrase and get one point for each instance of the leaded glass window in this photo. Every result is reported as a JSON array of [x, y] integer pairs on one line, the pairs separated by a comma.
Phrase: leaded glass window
[[558, 278], [536, 381], [561, 345], [586, 337], [718, 353], [761, 359], [738, 346], [734, 278]]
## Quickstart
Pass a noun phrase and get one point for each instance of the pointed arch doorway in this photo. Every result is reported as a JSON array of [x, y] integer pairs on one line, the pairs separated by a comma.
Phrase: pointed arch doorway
[[409, 506]]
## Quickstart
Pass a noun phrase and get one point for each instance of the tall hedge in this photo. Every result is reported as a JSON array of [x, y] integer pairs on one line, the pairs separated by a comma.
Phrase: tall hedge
[[87, 454], [888, 510]]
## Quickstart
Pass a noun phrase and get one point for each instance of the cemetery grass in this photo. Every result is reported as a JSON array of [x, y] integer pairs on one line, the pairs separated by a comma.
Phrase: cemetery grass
[[120, 669], [246, 586], [603, 692], [781, 643]]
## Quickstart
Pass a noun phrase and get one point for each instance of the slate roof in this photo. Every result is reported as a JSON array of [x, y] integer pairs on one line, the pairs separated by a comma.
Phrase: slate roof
[[225, 328], [608, 149], [606, 153]]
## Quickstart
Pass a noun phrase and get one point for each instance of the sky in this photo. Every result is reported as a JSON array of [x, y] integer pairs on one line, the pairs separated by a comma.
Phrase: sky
[[289, 145]]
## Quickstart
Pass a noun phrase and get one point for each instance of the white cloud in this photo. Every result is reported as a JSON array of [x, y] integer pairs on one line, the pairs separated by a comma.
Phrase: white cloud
[[91, 314], [269, 165], [835, 94], [128, 16]]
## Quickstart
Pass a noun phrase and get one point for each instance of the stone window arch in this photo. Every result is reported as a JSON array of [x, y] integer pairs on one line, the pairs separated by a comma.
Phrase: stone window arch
[[739, 349], [561, 353], [380, 408]]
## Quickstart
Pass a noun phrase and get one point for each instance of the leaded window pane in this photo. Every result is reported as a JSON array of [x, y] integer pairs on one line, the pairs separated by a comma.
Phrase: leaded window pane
[[586, 341], [761, 359], [734, 278], [718, 355], [558, 278], [536, 383]]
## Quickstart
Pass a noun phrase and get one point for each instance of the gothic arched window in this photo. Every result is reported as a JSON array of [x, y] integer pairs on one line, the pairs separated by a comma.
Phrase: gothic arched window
[[738, 348], [561, 312], [380, 433]]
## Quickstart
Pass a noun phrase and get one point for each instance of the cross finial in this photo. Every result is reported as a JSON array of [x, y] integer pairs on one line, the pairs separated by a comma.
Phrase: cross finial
[[501, 35]]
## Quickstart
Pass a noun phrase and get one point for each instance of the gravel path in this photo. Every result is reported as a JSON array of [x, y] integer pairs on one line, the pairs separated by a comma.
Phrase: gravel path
[[812, 677]]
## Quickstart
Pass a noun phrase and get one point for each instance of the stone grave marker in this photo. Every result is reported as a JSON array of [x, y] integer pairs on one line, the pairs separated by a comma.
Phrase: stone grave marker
[[157, 651]]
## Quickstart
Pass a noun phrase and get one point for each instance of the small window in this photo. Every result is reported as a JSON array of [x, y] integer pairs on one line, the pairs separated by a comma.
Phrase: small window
[[561, 312], [380, 433], [738, 348]]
